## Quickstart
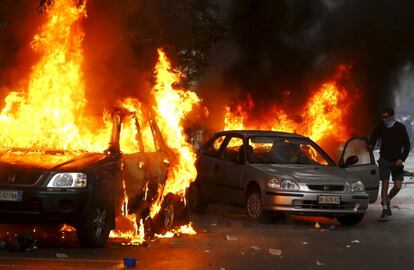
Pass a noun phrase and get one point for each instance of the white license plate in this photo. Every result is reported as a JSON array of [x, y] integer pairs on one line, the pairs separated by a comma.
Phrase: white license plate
[[11, 195], [329, 199]]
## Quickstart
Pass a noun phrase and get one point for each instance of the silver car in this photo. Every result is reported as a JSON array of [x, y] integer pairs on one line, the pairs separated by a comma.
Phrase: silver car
[[268, 171]]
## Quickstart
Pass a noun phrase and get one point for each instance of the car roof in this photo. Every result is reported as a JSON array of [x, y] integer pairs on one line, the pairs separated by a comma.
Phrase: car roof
[[266, 133]]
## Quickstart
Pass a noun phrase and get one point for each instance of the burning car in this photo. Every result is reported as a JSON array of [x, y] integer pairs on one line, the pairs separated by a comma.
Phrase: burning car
[[268, 171], [86, 190]]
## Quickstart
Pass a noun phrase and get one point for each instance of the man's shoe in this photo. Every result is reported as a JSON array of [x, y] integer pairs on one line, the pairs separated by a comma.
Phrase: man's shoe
[[384, 215], [389, 208]]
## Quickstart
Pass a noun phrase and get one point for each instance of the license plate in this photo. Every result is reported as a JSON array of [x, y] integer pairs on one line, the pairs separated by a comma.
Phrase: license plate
[[11, 195], [329, 199]]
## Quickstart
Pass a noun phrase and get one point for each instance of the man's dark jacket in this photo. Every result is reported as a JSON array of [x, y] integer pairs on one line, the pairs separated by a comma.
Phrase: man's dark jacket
[[394, 141]]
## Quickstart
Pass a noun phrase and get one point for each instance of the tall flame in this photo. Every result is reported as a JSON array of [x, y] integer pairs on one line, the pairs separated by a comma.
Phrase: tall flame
[[49, 112], [172, 106], [322, 116]]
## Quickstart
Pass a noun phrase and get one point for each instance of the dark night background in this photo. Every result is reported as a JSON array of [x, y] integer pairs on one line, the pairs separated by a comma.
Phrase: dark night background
[[229, 49]]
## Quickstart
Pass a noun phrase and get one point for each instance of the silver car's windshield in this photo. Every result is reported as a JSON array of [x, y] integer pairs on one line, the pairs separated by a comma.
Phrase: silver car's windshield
[[277, 150]]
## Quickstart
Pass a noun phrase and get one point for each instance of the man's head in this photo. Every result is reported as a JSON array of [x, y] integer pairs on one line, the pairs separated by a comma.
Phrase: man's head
[[387, 113]]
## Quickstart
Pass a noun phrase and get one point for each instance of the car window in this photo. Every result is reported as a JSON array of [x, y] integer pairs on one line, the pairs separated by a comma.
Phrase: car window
[[277, 150], [151, 142], [357, 147], [213, 147], [129, 135], [233, 150]]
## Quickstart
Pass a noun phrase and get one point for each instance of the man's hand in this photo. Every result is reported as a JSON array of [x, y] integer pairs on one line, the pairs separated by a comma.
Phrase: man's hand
[[399, 163]]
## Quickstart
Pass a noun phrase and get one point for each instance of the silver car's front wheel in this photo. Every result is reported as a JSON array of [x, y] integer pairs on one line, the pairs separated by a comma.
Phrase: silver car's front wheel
[[254, 204]]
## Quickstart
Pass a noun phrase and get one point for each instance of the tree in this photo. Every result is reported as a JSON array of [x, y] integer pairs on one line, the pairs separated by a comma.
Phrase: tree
[[186, 29]]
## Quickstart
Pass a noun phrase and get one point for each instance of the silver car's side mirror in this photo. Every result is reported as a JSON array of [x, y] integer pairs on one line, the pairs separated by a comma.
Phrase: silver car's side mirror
[[351, 160]]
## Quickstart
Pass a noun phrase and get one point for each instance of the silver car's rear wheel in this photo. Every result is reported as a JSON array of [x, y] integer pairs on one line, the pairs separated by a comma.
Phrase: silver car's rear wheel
[[195, 201]]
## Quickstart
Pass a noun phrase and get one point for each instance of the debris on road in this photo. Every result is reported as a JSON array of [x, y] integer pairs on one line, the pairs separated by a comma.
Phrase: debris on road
[[355, 242], [276, 252], [231, 238], [318, 263], [317, 226], [332, 227], [22, 242], [61, 255], [3, 244], [348, 246], [207, 251], [255, 247], [305, 243], [175, 243], [130, 262], [396, 207]]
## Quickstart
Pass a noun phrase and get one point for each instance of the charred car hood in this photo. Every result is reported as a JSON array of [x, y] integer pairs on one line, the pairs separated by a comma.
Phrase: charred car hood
[[306, 173], [48, 161], [28, 168]]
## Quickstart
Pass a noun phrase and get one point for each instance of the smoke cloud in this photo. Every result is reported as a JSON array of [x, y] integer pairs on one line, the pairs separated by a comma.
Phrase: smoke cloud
[[278, 46], [274, 51]]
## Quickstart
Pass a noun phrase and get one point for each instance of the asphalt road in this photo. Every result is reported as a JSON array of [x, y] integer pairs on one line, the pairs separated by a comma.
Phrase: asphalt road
[[227, 239]]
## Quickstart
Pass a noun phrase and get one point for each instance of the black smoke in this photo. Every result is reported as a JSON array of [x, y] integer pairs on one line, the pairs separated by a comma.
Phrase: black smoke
[[274, 50], [278, 47]]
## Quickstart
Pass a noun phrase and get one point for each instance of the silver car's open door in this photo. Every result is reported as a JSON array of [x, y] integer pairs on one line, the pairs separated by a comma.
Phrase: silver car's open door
[[358, 159]]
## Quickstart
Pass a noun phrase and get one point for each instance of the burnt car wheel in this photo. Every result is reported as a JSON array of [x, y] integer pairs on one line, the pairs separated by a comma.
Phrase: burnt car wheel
[[254, 206], [195, 201], [94, 230], [350, 219], [173, 213]]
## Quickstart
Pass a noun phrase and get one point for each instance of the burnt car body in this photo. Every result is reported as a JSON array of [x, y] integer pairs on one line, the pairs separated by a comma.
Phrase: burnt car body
[[270, 171], [85, 190]]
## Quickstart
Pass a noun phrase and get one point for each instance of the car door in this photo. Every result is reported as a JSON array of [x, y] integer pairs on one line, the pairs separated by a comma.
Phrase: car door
[[144, 166], [363, 166], [207, 161], [230, 171]]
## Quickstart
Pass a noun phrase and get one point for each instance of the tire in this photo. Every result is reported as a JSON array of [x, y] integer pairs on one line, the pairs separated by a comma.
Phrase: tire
[[148, 228], [166, 218], [254, 206], [93, 231], [195, 201], [350, 219]]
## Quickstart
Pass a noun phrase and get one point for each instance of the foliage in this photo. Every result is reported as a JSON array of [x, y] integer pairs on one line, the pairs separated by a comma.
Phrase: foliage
[[186, 29]]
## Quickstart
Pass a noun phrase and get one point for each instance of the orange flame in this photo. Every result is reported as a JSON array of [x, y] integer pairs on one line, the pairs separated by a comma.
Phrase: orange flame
[[49, 112], [322, 117], [184, 229], [172, 106]]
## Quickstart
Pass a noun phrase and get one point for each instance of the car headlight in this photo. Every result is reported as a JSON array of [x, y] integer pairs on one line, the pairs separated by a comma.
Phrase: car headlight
[[357, 186], [68, 180], [282, 184]]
